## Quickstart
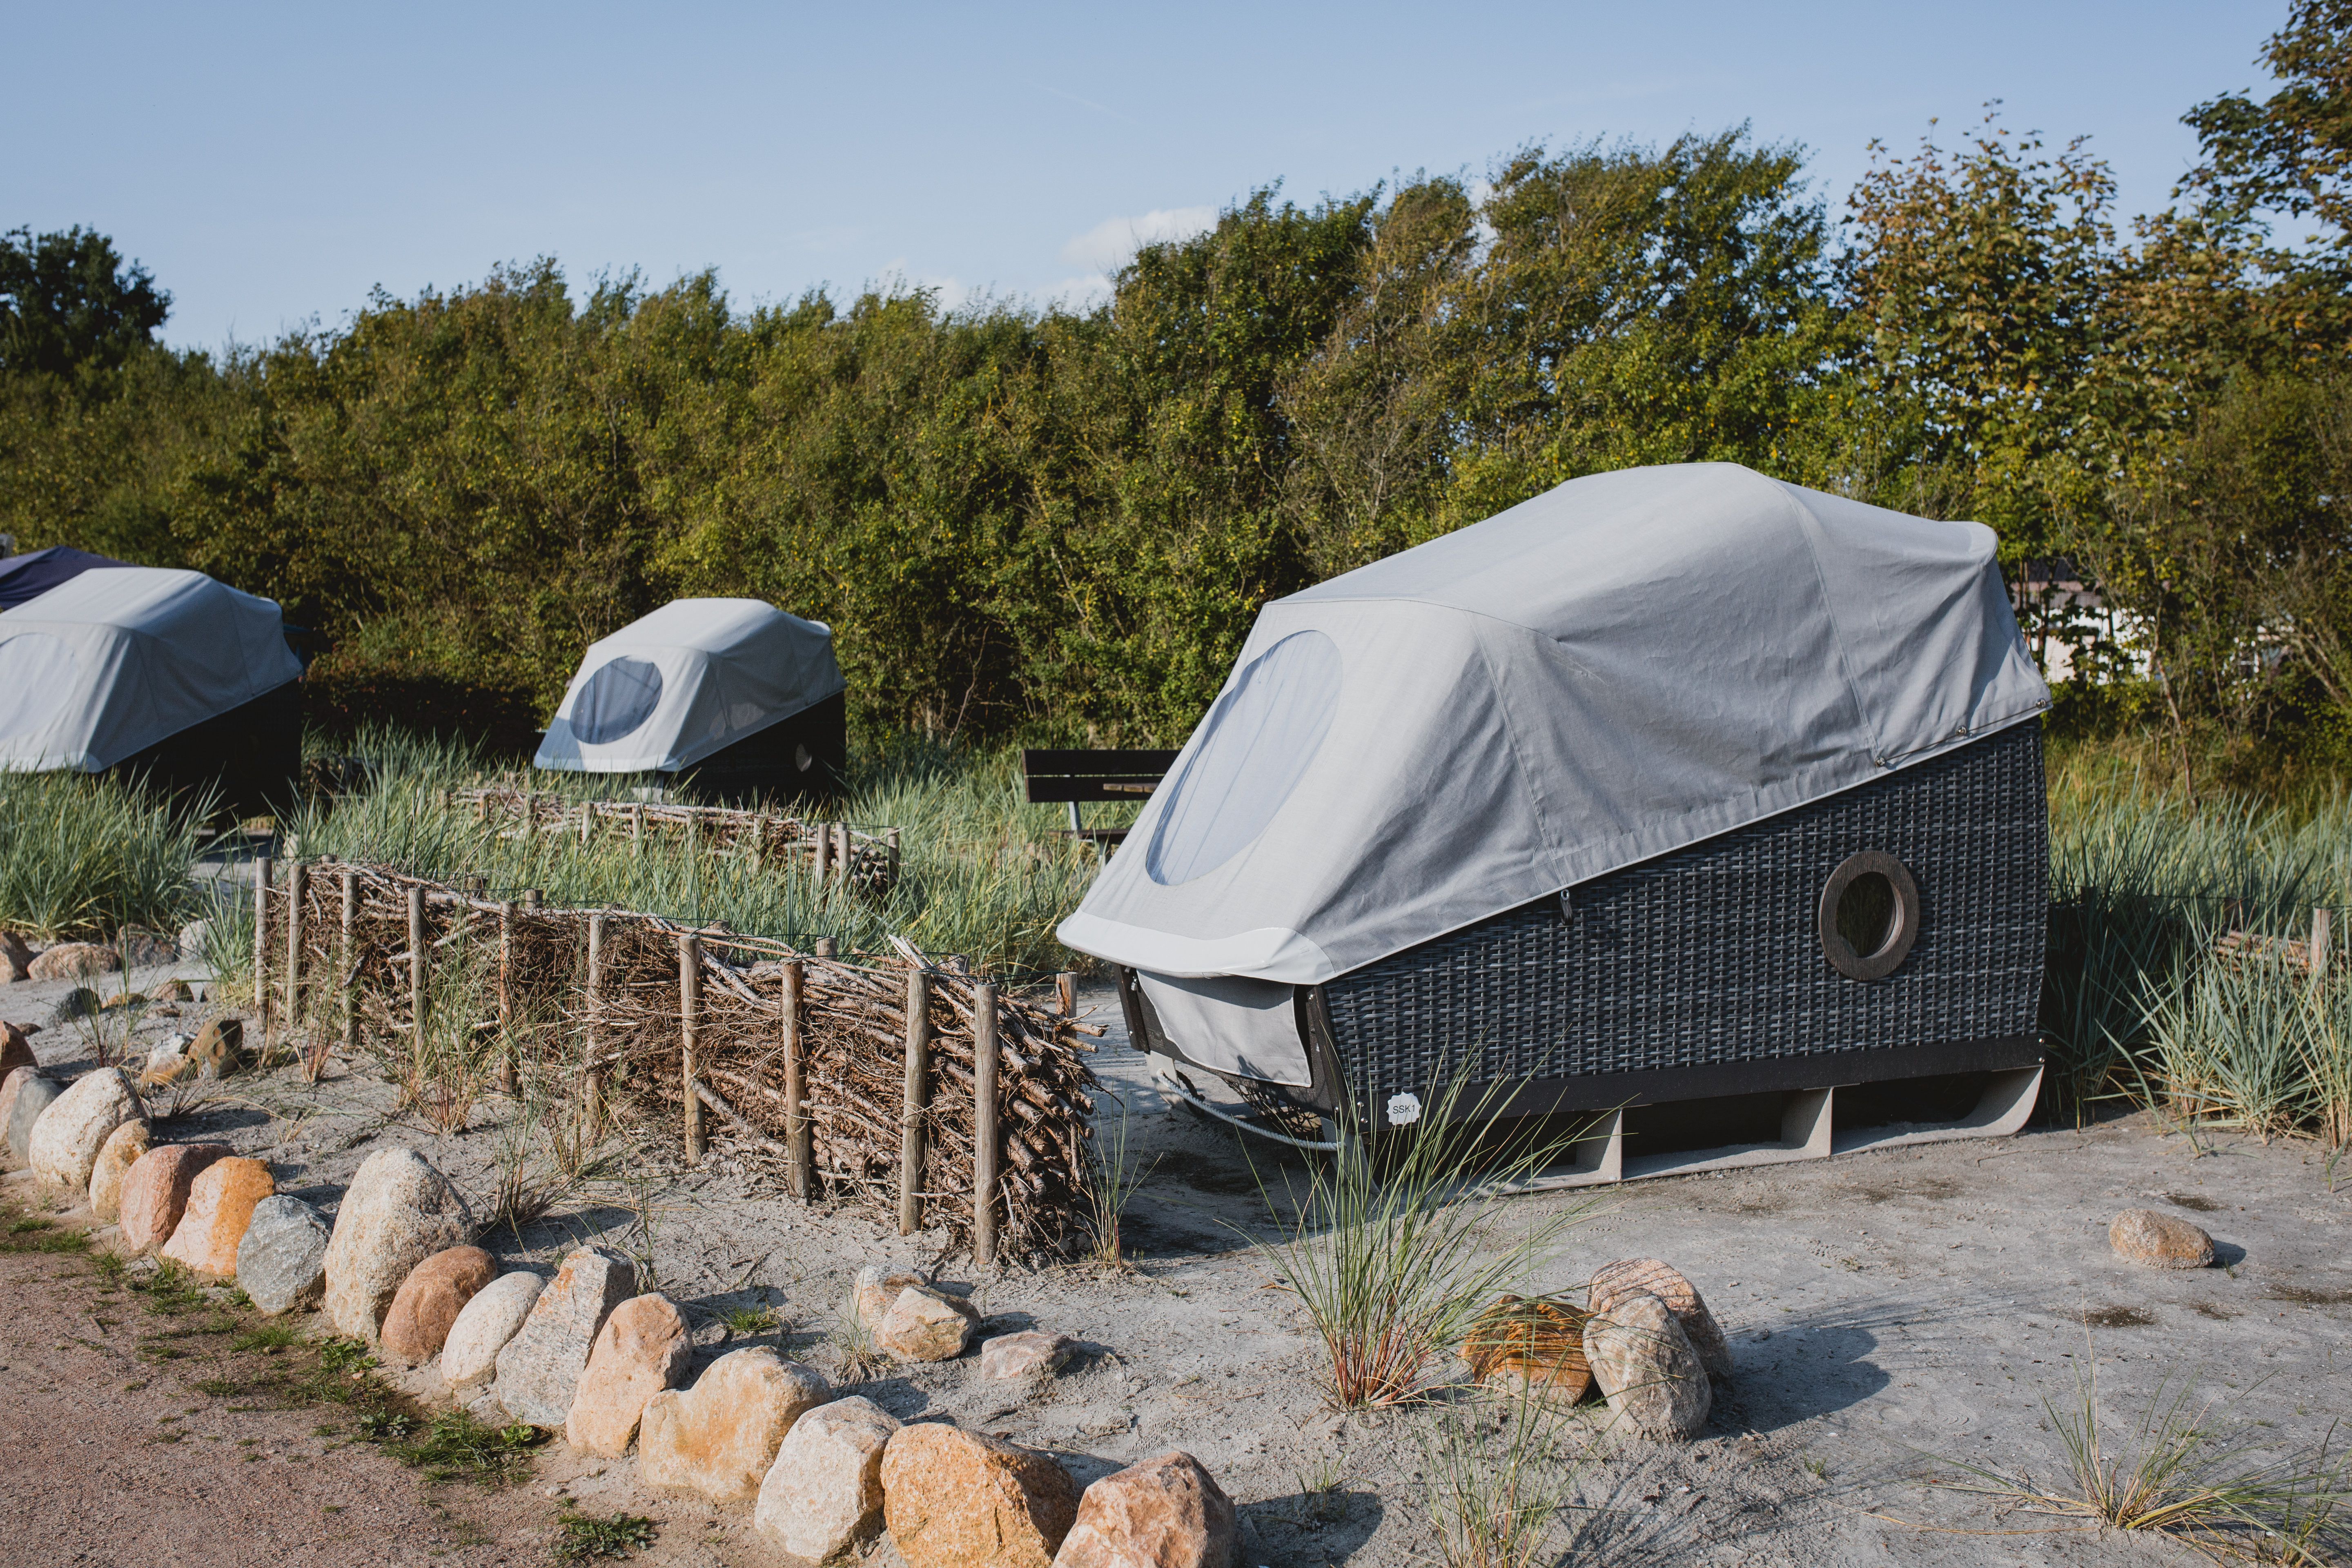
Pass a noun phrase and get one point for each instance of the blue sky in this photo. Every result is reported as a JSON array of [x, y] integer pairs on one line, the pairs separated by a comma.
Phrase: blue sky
[[272, 165]]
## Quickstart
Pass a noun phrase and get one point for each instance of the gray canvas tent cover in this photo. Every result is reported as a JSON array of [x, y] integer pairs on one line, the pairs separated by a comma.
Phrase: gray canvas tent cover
[[693, 678], [111, 661], [1622, 666]]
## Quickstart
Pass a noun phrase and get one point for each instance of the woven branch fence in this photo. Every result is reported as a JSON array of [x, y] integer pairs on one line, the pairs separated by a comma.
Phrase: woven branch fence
[[867, 858], [884, 1081]]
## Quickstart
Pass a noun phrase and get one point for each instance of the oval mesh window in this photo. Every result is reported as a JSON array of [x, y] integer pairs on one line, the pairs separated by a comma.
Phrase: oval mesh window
[[1261, 736], [616, 700]]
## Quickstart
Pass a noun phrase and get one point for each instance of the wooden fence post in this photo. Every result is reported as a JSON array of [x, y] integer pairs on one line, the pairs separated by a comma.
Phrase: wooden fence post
[[1066, 987], [842, 846], [506, 996], [294, 869], [689, 1027], [2320, 920], [890, 843], [530, 815], [261, 947], [799, 1143], [637, 829], [825, 947], [911, 1112], [984, 1135], [417, 960], [823, 853], [593, 1091], [344, 950]]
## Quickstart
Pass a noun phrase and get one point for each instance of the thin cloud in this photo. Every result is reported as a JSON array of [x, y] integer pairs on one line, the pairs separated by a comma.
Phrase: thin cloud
[[1112, 243]]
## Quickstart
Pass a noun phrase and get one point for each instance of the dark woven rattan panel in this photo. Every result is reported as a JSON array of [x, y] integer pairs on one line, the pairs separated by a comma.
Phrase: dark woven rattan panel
[[1712, 954]]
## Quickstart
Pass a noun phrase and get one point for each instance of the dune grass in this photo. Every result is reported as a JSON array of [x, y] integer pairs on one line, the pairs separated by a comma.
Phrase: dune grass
[[2136, 1004], [1394, 1248], [2188, 1469], [83, 857], [982, 873]]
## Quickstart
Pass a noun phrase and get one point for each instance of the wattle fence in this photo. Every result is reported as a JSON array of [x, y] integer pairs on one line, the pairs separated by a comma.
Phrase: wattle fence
[[888, 1080]]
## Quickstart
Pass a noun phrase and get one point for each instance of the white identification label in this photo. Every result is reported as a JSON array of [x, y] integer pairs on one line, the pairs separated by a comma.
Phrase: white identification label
[[1404, 1110]]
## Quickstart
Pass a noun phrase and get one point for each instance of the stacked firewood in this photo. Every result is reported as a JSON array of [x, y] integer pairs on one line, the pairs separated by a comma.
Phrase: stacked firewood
[[518, 982]]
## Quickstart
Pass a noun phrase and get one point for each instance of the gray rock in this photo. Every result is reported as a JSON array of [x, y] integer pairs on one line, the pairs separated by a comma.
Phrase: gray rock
[[540, 1368], [15, 958], [70, 960], [282, 1261], [397, 1212], [824, 1493], [192, 937], [926, 1324], [1644, 1362], [66, 1141], [146, 949], [37, 1094], [1027, 1354], [470, 1354]]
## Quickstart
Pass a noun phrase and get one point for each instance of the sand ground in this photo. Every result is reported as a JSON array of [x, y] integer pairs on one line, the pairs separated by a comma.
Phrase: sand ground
[[1883, 1310]]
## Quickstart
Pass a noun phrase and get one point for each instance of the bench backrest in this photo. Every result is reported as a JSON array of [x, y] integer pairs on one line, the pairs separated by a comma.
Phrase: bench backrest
[[1052, 776]]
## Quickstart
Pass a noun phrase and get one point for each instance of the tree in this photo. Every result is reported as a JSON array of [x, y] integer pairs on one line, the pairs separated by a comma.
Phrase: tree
[[71, 306]]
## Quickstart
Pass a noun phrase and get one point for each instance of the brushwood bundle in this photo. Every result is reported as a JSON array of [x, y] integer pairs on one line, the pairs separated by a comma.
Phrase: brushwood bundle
[[646, 1022], [861, 857]]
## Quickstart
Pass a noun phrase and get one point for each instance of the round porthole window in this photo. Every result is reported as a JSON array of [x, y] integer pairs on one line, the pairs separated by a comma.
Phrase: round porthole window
[[1870, 916]]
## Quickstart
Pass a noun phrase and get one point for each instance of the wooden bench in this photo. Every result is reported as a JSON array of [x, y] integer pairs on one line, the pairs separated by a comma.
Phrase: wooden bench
[[1074, 777]]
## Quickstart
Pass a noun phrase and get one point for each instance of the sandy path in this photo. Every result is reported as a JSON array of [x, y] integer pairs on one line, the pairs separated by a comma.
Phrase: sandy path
[[115, 1459]]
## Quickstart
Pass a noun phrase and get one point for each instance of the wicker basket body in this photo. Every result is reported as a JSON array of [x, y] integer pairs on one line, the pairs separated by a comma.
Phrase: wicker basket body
[[1703, 973]]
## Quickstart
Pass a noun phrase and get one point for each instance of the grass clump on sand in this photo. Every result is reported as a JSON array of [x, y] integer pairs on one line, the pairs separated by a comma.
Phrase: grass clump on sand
[[1394, 1251], [83, 857], [980, 873], [2188, 1470], [1496, 1470], [580, 1538]]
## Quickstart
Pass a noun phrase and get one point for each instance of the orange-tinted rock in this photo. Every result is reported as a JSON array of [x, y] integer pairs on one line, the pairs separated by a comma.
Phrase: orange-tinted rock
[[952, 1499], [220, 1205], [717, 1439], [2159, 1240], [15, 958], [1166, 1512], [123, 1148], [429, 1300], [16, 1050], [643, 1348], [1537, 1345], [155, 1193]]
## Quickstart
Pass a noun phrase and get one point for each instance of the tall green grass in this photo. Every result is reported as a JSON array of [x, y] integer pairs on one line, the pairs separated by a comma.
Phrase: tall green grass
[[82, 857], [982, 873], [2137, 1005]]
